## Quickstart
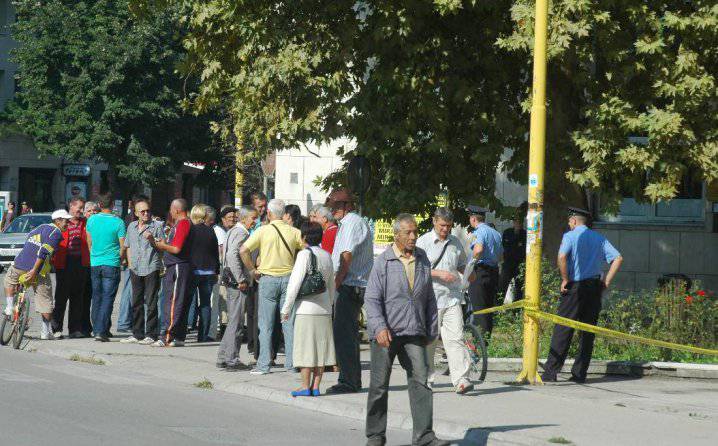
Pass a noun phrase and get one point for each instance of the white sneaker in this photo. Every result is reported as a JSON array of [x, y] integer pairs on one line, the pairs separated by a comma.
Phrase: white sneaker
[[130, 340], [258, 372], [176, 343], [146, 341], [158, 343], [47, 337], [464, 386], [57, 335]]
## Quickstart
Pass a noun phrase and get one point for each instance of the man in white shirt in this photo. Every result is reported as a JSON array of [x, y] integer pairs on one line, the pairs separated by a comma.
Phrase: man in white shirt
[[448, 260]]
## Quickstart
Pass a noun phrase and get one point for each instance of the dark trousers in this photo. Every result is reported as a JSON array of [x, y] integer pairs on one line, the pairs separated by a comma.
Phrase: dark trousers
[[70, 289], [252, 322], [177, 283], [411, 351], [346, 335], [86, 304], [582, 303], [482, 293], [105, 281], [509, 270], [144, 292], [232, 339]]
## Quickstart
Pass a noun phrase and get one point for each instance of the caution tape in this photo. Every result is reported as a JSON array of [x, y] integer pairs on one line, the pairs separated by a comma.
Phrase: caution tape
[[616, 334], [518, 304]]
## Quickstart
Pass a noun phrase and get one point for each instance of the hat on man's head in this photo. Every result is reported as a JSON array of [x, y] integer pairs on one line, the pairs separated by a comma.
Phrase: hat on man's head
[[573, 211], [338, 196], [473, 209], [61, 213]]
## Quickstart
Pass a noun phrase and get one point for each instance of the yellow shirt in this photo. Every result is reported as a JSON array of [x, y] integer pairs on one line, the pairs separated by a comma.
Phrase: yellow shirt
[[274, 258], [408, 260]]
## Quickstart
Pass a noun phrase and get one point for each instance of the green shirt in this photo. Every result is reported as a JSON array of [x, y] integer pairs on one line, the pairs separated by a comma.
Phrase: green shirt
[[105, 231]]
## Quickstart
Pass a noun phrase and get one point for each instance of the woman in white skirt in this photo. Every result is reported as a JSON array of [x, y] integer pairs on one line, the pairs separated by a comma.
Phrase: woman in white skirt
[[313, 347]]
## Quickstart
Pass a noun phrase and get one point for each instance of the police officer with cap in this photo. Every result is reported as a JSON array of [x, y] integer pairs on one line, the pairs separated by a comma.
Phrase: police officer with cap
[[487, 250], [580, 259]]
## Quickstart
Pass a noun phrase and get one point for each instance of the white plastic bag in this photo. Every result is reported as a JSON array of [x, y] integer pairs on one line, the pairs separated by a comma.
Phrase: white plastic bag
[[510, 292]]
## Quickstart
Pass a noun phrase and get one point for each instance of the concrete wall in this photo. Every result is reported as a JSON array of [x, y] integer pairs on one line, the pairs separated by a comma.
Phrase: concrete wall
[[297, 169]]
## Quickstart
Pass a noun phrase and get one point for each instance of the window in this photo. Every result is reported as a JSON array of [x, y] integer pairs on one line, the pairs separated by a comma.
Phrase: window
[[4, 14], [294, 178]]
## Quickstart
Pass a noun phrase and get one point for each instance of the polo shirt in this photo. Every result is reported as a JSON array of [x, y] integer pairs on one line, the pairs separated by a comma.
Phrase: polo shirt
[[105, 231], [274, 258], [409, 263]]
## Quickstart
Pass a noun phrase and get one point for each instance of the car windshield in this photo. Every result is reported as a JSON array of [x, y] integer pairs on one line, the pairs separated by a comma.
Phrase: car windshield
[[26, 223]]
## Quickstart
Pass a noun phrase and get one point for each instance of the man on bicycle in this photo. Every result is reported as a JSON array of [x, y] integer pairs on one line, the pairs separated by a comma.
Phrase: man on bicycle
[[33, 262]]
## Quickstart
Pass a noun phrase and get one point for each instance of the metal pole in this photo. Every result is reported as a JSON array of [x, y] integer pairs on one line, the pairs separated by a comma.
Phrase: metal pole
[[534, 224], [239, 178]]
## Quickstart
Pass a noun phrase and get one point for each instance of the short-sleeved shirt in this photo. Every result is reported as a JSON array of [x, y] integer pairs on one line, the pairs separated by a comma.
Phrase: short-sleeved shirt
[[491, 240], [105, 231], [586, 250], [180, 236], [453, 261], [354, 236], [144, 259], [274, 258], [41, 244], [409, 264]]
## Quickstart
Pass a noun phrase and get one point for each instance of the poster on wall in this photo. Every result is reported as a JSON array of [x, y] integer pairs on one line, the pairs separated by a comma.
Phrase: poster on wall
[[75, 189]]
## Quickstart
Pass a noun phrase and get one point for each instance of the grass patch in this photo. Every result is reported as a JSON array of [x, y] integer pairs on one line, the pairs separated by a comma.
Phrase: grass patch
[[559, 440], [87, 359], [204, 384]]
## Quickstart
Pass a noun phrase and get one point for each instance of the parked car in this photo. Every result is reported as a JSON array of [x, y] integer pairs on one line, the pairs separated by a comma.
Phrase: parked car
[[13, 237]]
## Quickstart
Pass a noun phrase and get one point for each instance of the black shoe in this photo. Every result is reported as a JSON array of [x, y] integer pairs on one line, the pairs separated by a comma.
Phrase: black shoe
[[376, 442], [438, 442], [221, 365], [339, 389], [238, 367], [108, 335], [548, 378], [577, 380], [102, 339]]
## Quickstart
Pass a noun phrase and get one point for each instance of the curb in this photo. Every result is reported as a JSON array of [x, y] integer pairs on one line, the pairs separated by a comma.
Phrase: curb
[[622, 368]]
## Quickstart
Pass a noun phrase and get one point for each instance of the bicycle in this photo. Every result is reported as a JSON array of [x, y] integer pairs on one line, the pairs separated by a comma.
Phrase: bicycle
[[475, 345], [19, 320]]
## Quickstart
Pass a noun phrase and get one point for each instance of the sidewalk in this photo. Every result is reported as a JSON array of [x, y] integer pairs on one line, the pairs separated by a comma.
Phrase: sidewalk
[[609, 410]]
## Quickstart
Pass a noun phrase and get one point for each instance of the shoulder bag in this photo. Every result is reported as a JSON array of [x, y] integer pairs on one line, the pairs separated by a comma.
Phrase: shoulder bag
[[313, 282]]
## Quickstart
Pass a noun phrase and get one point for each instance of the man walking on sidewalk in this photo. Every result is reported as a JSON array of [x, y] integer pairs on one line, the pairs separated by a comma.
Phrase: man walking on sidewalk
[[402, 321], [105, 237], [72, 263], [448, 260], [237, 281], [353, 256], [278, 244], [178, 275], [143, 264]]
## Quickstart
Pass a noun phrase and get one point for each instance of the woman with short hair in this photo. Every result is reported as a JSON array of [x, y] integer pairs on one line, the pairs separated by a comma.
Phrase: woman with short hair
[[313, 346], [204, 258]]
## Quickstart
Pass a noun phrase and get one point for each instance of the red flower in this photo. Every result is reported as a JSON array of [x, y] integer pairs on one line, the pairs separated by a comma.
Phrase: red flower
[[689, 299], [701, 293]]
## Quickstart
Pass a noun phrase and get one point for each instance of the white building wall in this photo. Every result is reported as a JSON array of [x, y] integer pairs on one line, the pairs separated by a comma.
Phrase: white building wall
[[298, 169]]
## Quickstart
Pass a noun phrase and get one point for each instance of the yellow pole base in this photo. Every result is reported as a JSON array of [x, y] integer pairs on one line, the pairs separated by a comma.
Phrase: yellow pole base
[[525, 378]]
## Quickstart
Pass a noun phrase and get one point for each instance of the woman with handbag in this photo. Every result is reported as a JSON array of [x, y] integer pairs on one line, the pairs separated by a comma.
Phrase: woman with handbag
[[310, 295]]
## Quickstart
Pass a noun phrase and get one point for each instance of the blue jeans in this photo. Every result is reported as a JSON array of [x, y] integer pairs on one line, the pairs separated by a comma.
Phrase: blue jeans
[[271, 296], [105, 281], [203, 285], [124, 320]]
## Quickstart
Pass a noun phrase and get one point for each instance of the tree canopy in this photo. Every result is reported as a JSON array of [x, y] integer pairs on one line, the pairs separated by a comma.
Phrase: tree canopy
[[95, 83], [436, 93]]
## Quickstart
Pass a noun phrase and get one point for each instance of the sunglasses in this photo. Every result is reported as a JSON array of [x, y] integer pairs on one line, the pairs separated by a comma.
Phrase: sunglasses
[[144, 211]]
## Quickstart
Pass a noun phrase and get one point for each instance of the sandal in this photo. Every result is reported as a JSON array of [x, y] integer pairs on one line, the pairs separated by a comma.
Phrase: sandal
[[301, 392]]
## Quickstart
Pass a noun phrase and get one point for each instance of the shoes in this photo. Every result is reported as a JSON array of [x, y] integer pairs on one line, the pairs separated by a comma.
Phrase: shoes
[[47, 337], [130, 340], [102, 338], [316, 392], [338, 389], [301, 392], [146, 341], [158, 343], [237, 367], [57, 335], [76, 335], [176, 343], [548, 378], [464, 386], [376, 442], [258, 372], [293, 370], [577, 379]]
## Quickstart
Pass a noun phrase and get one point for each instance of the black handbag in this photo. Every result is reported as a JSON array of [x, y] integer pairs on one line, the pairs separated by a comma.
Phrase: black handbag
[[313, 282]]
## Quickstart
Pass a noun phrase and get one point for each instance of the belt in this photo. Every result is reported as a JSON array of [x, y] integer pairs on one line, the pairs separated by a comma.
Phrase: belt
[[486, 266]]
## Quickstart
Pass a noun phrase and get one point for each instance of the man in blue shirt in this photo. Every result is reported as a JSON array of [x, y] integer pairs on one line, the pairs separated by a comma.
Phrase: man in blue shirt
[[580, 259], [487, 250]]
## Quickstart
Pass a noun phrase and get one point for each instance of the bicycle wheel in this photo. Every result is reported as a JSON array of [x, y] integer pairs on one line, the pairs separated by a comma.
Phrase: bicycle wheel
[[21, 323], [476, 346], [7, 328]]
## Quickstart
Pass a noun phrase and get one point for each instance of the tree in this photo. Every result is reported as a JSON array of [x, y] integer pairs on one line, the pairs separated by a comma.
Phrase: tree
[[95, 83], [436, 93]]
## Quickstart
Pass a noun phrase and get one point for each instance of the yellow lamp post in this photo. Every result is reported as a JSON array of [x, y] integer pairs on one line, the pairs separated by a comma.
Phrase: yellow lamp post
[[534, 223]]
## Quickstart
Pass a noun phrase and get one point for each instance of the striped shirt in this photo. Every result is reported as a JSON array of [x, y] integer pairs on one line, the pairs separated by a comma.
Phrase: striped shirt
[[354, 236]]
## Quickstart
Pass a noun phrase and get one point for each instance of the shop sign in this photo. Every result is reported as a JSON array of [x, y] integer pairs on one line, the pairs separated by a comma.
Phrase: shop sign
[[76, 170]]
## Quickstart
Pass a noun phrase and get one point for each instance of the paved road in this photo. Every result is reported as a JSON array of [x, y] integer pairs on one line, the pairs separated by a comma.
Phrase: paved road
[[53, 401]]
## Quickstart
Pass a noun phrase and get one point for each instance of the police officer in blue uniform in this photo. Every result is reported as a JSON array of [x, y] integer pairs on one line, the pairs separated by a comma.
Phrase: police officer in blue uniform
[[580, 259], [487, 249]]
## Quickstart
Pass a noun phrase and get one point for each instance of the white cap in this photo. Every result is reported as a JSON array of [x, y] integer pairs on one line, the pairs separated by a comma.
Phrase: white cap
[[61, 213]]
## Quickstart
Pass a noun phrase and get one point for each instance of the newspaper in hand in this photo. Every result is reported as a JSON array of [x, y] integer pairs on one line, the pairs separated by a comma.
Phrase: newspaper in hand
[[467, 272]]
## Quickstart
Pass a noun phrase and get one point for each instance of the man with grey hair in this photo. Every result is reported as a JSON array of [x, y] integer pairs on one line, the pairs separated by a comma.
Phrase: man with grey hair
[[448, 261], [278, 244], [323, 215], [402, 321], [235, 277]]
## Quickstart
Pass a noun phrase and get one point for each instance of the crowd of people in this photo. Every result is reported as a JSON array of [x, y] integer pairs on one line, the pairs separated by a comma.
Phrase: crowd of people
[[293, 284]]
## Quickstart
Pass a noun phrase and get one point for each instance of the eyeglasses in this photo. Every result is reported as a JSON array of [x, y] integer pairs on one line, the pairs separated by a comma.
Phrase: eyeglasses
[[144, 211]]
